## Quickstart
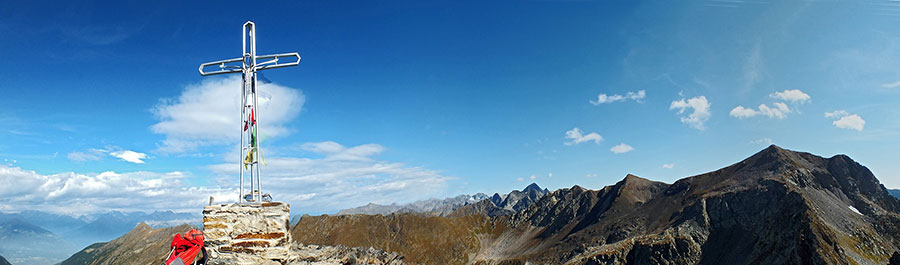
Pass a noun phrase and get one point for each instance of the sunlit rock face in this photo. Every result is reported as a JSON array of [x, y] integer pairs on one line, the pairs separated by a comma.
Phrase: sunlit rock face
[[247, 234]]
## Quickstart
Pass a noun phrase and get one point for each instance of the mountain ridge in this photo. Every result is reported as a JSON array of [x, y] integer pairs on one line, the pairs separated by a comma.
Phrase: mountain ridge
[[507, 203], [777, 206]]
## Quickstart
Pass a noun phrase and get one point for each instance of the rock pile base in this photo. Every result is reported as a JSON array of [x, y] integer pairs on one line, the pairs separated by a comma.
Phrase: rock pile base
[[247, 233]]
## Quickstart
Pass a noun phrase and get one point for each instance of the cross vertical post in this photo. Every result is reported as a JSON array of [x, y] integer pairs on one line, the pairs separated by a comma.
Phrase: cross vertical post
[[250, 152]]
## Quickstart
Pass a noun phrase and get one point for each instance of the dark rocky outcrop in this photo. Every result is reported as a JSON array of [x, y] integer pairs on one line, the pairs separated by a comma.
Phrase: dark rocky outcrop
[[508, 204], [3, 261]]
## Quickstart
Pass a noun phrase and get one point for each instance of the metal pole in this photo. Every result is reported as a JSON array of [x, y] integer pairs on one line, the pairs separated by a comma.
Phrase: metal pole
[[256, 110], [243, 113]]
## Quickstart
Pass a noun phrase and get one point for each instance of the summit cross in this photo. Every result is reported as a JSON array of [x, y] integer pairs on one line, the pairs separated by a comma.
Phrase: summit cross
[[250, 152]]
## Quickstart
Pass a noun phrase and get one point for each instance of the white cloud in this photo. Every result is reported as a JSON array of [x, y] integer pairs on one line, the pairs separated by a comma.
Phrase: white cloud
[[668, 165], [792, 95], [130, 156], [621, 148], [836, 114], [853, 122], [208, 113], [845, 120], [891, 85], [344, 177], [741, 112], [520, 179], [532, 177], [71, 193], [780, 111], [578, 137], [700, 111], [94, 154], [603, 98]]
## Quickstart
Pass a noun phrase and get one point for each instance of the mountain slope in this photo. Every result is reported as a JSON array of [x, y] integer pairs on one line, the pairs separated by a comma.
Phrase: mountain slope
[[3, 261], [421, 239], [142, 245], [895, 193]]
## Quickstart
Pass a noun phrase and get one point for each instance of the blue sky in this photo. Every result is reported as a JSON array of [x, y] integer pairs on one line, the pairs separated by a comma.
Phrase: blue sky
[[406, 100]]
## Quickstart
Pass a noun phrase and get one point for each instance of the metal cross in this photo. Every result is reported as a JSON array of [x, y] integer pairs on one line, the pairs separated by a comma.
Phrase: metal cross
[[250, 154]]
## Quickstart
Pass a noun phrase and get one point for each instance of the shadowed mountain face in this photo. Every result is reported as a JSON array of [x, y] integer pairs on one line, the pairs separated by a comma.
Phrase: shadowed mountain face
[[3, 261], [775, 207], [895, 193]]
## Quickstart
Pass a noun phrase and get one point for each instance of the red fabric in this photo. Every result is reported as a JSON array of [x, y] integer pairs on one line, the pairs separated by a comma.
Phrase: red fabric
[[186, 247], [252, 121]]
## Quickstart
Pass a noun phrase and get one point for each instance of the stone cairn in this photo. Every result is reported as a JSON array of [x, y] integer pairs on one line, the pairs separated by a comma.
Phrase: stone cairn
[[247, 233]]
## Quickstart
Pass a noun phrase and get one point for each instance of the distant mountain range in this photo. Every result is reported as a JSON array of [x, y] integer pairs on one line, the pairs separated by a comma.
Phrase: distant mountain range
[[34, 237], [775, 207], [501, 204]]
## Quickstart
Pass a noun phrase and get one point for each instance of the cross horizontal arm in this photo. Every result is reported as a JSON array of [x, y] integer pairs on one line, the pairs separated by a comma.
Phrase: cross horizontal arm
[[270, 64], [274, 62], [223, 69]]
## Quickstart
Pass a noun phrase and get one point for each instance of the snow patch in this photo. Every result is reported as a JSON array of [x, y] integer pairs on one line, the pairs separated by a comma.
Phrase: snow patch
[[854, 210]]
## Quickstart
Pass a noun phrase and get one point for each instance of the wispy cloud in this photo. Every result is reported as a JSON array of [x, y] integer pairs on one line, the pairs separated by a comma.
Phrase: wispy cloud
[[83, 156], [72, 193], [577, 137], [700, 111], [603, 98], [753, 67], [94, 154], [130, 156], [668, 166], [345, 176], [765, 141], [779, 111], [845, 120], [621, 148], [791, 95], [891, 85]]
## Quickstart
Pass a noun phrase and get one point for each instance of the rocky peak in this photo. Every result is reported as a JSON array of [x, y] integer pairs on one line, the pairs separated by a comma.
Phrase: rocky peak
[[637, 189], [533, 187]]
